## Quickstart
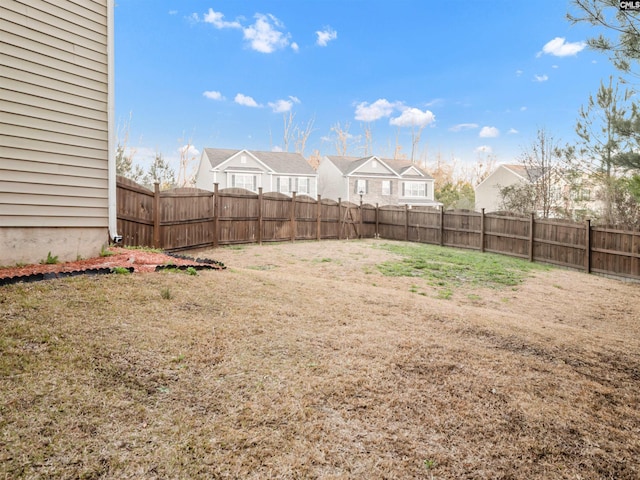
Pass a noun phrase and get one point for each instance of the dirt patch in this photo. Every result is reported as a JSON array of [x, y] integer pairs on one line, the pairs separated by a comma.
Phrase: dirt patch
[[303, 361]]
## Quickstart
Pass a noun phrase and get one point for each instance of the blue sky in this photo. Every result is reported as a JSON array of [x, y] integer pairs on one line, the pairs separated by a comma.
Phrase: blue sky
[[479, 76]]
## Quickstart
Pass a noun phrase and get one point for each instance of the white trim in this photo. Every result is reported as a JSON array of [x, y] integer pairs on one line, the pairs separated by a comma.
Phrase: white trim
[[111, 134], [393, 173], [247, 152], [414, 169]]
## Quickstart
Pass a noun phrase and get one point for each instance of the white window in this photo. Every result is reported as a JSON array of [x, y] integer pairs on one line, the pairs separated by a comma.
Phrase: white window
[[361, 187], [414, 189], [243, 159], [303, 185], [386, 187], [284, 185], [243, 180]]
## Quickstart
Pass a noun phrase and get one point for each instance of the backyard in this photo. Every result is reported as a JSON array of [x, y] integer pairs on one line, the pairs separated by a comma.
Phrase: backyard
[[328, 360]]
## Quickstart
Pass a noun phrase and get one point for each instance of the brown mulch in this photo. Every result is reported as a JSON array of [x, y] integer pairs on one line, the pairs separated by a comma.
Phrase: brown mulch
[[139, 260]]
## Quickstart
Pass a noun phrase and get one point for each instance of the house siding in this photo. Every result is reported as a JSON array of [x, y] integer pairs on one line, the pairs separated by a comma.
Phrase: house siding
[[54, 145], [488, 192]]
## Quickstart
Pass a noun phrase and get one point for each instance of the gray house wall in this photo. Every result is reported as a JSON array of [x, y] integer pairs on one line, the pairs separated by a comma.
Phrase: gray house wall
[[488, 192], [54, 128]]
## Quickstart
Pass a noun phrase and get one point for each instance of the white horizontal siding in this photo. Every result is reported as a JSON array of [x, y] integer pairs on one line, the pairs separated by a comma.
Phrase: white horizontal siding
[[49, 158], [57, 126], [49, 168], [30, 199], [53, 113], [53, 21], [52, 190]]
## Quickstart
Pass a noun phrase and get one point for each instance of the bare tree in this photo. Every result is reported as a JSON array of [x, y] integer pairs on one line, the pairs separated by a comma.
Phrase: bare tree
[[302, 136], [416, 133], [287, 130], [367, 145], [314, 159], [186, 167], [342, 138], [125, 164]]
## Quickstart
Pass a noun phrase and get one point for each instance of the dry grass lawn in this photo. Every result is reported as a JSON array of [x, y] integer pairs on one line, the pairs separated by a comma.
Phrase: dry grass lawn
[[304, 361]]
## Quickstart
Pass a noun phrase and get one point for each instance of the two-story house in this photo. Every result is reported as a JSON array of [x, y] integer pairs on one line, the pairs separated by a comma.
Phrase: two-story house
[[282, 172], [375, 180]]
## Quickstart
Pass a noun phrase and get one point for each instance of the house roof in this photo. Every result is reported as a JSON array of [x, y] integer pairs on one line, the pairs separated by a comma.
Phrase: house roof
[[348, 165], [530, 174], [278, 162]]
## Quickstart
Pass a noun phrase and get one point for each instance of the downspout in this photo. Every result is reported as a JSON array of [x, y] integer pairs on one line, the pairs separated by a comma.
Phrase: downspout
[[111, 135]]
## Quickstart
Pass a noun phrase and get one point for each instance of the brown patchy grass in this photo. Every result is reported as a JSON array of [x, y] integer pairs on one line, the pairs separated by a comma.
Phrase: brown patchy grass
[[304, 361]]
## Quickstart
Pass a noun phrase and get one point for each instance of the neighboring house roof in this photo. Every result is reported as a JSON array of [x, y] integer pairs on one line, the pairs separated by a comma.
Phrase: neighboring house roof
[[278, 162], [349, 165], [528, 174]]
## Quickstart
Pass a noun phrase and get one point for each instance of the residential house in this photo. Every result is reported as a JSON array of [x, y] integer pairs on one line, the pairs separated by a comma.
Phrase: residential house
[[488, 191], [568, 197], [375, 180], [273, 171], [57, 161]]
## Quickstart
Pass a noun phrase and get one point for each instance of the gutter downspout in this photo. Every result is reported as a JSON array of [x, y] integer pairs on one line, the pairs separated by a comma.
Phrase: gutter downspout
[[111, 142]]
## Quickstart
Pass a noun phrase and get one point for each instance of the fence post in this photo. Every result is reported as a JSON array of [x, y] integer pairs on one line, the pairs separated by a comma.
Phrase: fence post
[[156, 215], [441, 225], [319, 218], [260, 200], [377, 234], [339, 218], [482, 230], [292, 220], [216, 215], [406, 222], [587, 246], [532, 226]]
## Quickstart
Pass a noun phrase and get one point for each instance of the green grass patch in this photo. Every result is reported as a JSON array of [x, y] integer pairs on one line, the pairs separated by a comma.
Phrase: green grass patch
[[450, 268]]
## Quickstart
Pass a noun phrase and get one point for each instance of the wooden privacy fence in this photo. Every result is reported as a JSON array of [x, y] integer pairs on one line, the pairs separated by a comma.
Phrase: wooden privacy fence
[[188, 218]]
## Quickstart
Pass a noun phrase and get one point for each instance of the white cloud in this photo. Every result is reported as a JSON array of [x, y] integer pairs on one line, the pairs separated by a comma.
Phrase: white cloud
[[483, 149], [276, 148], [519, 73], [213, 95], [366, 112], [540, 78], [413, 117], [281, 106], [295, 47], [523, 109], [245, 100], [264, 35], [189, 151], [463, 126], [173, 12], [325, 36], [512, 131], [216, 19], [558, 47], [489, 132]]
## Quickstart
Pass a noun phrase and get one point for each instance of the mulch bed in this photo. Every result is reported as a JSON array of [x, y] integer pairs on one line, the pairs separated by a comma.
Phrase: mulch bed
[[131, 259]]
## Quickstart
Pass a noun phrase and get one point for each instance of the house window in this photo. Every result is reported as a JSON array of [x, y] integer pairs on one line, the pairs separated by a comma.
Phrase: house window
[[242, 180], [414, 189], [243, 159], [284, 185], [361, 186], [386, 187], [303, 185]]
